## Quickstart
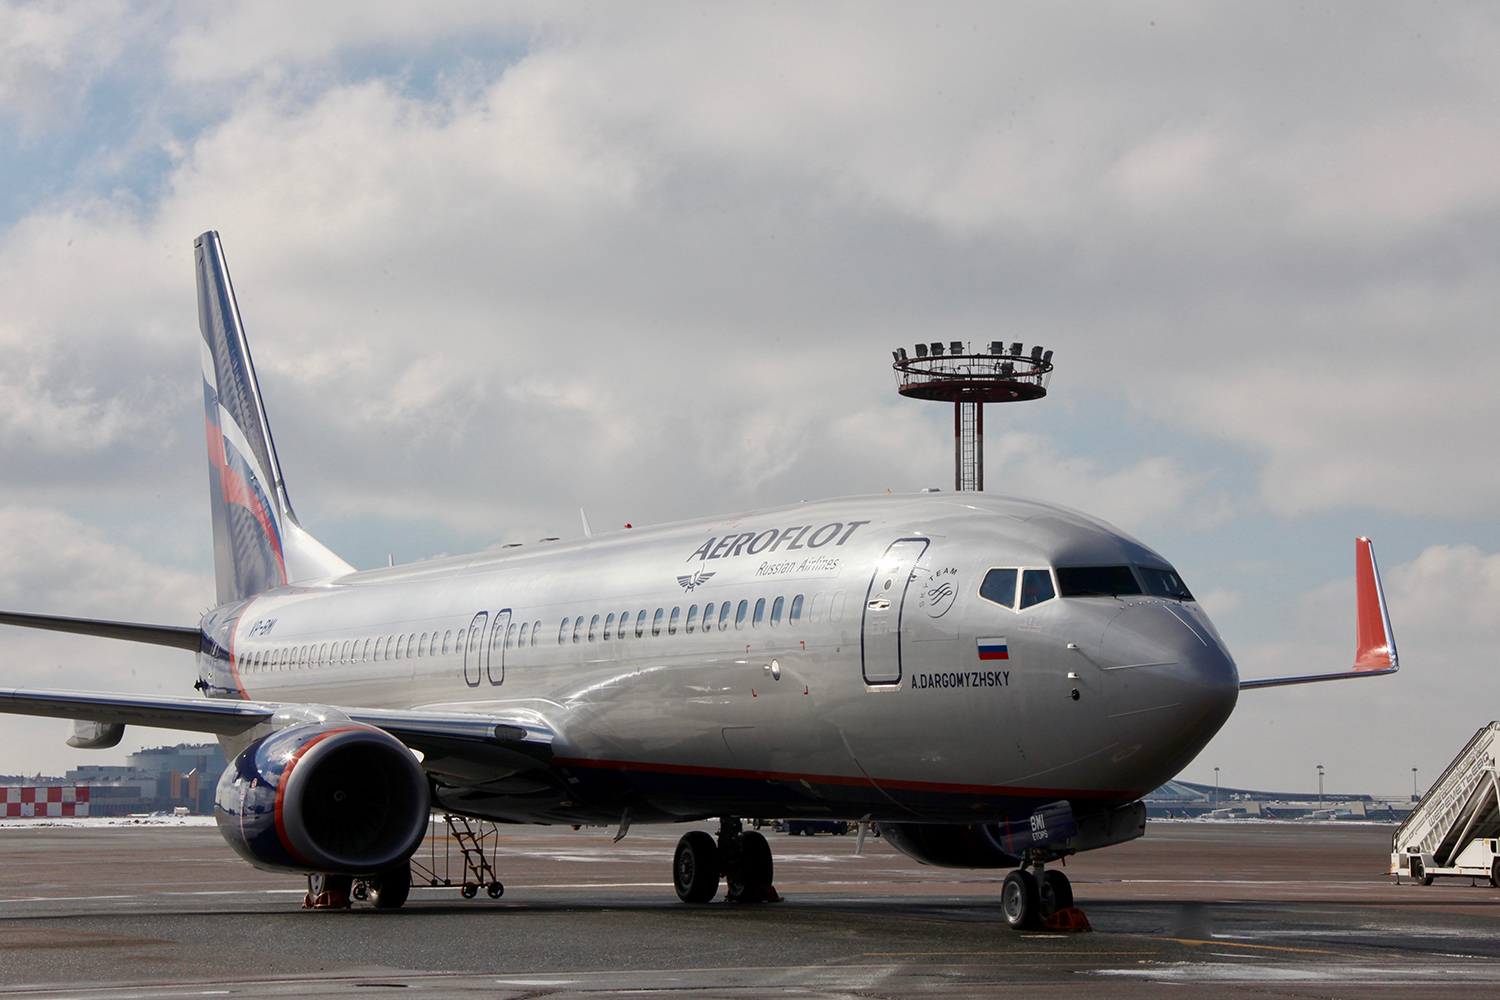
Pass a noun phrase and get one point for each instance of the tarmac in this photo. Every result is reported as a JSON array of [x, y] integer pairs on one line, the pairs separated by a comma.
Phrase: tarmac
[[1225, 909]]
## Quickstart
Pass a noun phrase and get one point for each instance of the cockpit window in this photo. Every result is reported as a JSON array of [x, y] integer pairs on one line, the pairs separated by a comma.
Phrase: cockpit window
[[1096, 581], [1036, 587], [1165, 583], [999, 586]]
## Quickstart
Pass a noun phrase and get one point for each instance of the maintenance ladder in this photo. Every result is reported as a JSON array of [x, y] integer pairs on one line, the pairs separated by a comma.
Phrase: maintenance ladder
[[475, 841], [1455, 828]]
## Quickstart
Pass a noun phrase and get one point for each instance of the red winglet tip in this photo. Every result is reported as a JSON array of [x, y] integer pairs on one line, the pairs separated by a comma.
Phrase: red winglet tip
[[1374, 649]]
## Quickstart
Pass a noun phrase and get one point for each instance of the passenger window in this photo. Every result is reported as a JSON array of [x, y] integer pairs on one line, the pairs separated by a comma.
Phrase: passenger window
[[672, 621], [708, 616], [1036, 587], [999, 587], [510, 636], [836, 607], [796, 613], [562, 630], [447, 638], [760, 613], [422, 645], [816, 614], [366, 656], [692, 617], [578, 629], [739, 614], [656, 622], [609, 625], [724, 616], [390, 646], [348, 652], [323, 654], [536, 632], [624, 625], [640, 623], [400, 647], [525, 627], [593, 627], [776, 611]]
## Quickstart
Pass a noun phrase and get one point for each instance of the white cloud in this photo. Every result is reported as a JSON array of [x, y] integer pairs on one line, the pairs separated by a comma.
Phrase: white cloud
[[50, 52]]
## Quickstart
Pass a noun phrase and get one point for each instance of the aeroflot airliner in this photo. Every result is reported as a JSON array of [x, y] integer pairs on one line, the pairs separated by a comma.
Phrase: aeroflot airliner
[[994, 681]]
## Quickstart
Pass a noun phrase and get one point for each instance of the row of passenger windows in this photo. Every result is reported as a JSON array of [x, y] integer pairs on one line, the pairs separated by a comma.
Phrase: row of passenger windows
[[999, 585], [771, 612], [394, 647], [778, 611]]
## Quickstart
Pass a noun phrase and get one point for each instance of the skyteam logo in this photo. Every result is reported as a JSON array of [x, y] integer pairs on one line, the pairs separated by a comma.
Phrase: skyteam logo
[[938, 592], [698, 579]]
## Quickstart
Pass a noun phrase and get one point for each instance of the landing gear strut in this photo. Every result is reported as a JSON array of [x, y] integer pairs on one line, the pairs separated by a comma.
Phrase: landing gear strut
[[742, 856], [1027, 898]]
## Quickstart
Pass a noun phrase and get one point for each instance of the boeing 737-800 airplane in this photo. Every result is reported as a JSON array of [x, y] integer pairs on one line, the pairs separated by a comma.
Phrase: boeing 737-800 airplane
[[995, 681]]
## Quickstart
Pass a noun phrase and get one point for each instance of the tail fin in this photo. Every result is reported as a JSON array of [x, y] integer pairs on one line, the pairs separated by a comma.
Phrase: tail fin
[[258, 543]]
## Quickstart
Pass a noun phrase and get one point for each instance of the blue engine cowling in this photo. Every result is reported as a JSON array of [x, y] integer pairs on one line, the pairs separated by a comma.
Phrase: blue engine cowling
[[323, 797]]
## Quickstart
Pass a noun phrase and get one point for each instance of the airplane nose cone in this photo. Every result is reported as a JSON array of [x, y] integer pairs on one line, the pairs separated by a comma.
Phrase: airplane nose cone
[[1169, 685]]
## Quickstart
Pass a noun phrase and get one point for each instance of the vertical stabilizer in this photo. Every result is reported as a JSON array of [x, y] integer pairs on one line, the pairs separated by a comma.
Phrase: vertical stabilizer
[[258, 543]]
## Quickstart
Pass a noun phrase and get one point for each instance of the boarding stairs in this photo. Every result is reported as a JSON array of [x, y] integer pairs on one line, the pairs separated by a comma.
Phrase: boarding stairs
[[1455, 828]]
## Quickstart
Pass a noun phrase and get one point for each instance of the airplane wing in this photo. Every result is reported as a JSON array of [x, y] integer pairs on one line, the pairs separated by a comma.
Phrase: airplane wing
[[1375, 646], [415, 728]]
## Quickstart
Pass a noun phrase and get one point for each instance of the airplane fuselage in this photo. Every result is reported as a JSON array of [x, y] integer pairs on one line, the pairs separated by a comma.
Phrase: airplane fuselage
[[832, 659]]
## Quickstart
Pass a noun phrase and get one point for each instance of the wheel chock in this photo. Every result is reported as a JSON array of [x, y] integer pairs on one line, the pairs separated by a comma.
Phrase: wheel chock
[[330, 900], [1067, 921]]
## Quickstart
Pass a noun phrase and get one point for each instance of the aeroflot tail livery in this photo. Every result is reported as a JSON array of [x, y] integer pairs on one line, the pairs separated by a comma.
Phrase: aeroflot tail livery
[[994, 681]]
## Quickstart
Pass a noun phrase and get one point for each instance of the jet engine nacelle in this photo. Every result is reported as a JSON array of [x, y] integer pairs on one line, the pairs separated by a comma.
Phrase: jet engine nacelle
[[324, 797]]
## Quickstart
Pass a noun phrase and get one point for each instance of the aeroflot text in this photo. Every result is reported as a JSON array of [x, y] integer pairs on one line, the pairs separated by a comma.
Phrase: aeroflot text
[[800, 536], [963, 679]]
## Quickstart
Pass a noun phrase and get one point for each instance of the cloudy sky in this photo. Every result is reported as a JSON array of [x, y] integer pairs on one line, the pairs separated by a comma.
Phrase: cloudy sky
[[500, 261]]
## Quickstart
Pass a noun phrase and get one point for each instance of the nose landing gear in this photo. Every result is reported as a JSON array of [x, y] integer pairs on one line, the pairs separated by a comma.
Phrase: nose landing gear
[[1028, 899], [742, 856]]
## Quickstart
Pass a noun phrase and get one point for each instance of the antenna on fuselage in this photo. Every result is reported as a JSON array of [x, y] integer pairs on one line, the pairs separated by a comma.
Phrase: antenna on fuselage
[[968, 381]]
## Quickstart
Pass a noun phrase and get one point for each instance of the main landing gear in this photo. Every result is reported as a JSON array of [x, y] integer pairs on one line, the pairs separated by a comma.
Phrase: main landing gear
[[1028, 898], [742, 856]]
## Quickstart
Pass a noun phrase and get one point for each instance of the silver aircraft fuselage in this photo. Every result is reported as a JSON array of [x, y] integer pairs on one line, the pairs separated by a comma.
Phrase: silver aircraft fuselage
[[894, 692]]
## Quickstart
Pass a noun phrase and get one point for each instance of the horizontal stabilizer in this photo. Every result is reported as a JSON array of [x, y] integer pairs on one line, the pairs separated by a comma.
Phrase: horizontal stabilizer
[[1375, 643], [158, 635]]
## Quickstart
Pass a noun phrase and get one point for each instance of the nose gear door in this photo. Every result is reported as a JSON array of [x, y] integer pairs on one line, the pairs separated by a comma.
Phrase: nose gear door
[[880, 636]]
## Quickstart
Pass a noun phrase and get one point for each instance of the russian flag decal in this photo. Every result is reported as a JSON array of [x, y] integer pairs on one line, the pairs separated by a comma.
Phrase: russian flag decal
[[994, 649]]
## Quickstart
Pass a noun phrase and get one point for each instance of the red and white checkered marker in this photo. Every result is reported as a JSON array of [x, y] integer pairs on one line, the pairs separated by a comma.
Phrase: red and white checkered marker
[[44, 800]]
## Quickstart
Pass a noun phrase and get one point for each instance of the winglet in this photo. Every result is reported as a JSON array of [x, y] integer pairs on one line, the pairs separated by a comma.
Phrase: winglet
[[1375, 643]]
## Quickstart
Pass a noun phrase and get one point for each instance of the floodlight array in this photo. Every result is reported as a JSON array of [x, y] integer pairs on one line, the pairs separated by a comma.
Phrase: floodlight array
[[956, 372]]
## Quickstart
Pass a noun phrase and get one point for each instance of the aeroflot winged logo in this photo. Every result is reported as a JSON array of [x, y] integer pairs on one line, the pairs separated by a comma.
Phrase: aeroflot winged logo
[[754, 543], [698, 579]]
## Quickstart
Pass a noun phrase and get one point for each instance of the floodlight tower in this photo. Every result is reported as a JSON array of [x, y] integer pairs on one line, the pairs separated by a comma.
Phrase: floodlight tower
[[957, 375]]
